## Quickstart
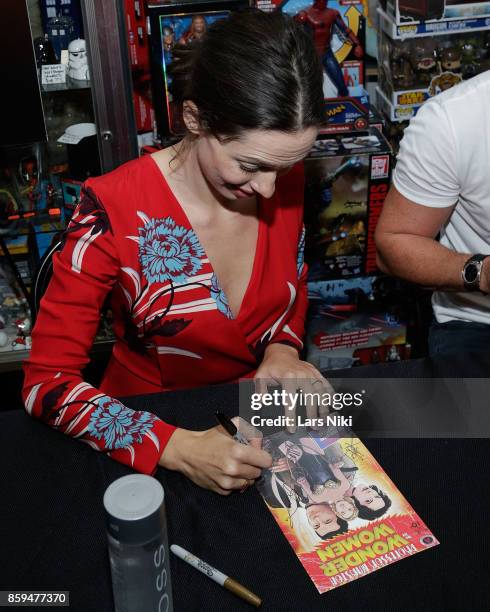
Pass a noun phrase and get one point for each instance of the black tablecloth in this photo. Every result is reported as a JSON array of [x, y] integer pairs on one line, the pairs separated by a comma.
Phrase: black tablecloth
[[52, 530]]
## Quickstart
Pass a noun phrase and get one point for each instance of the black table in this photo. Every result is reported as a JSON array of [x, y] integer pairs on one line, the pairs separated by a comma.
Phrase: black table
[[52, 531]]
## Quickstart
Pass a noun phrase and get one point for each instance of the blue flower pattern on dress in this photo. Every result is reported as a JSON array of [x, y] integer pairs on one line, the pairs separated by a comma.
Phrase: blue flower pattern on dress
[[119, 426], [219, 297], [168, 252], [301, 252]]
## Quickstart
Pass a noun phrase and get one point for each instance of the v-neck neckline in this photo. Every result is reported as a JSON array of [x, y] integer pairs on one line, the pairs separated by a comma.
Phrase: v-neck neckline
[[258, 243]]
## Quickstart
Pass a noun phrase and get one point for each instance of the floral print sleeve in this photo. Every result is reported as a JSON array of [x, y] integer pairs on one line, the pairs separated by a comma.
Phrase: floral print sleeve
[[84, 271]]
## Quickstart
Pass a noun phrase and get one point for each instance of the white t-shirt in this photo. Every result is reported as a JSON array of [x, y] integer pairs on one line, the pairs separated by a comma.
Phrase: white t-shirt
[[445, 159]]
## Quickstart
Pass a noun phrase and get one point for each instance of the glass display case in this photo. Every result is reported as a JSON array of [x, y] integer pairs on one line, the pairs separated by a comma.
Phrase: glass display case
[[70, 116]]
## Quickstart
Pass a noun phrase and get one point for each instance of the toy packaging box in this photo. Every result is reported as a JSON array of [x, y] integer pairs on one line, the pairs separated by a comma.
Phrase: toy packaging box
[[376, 119], [139, 57], [338, 31], [395, 113], [340, 512], [405, 12], [63, 8], [171, 23], [413, 69], [347, 178], [355, 321]]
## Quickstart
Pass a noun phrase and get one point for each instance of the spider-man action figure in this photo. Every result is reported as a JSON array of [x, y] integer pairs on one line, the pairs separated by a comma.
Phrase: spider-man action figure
[[321, 22]]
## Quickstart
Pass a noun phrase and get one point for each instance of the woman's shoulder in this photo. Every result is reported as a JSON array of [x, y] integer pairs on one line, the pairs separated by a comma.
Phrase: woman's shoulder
[[128, 182]]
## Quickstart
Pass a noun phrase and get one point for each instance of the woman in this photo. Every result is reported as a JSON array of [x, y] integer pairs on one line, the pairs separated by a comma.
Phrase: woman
[[370, 501], [201, 245]]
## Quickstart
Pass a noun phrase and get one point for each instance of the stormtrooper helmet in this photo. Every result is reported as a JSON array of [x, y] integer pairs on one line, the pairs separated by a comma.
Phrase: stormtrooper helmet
[[77, 60]]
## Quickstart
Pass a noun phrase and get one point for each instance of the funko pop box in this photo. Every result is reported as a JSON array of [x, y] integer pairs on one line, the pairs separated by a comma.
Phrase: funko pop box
[[347, 177], [355, 321], [418, 65], [415, 11]]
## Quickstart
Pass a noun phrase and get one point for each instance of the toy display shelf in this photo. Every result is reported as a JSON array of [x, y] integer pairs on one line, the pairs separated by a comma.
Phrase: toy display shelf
[[70, 85], [430, 28]]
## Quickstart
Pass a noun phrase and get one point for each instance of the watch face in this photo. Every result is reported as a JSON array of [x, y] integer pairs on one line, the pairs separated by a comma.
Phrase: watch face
[[471, 273]]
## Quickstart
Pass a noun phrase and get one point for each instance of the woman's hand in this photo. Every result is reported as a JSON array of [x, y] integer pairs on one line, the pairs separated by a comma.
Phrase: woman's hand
[[281, 364], [214, 460]]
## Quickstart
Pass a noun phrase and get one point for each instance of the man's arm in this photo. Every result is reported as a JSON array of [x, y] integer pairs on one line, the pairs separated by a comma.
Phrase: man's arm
[[407, 247]]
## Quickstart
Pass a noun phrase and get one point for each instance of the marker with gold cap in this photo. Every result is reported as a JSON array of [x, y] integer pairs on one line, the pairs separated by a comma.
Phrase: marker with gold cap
[[222, 579]]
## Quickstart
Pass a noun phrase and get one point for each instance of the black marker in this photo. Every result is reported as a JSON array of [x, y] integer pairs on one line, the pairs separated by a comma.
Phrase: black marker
[[230, 427]]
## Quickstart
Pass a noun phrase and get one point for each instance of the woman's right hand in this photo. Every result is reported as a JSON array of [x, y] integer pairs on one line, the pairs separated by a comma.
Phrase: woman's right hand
[[214, 460]]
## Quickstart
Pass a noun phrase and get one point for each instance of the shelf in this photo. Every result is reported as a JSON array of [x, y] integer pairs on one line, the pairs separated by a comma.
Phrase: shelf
[[68, 86]]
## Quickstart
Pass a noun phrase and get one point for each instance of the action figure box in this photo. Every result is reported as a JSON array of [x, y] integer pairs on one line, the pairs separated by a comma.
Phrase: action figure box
[[139, 57], [171, 23], [347, 177], [138, 42], [410, 12], [376, 119], [355, 321], [338, 31], [411, 70]]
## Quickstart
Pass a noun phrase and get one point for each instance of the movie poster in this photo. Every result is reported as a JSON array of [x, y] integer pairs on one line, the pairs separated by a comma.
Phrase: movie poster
[[338, 509]]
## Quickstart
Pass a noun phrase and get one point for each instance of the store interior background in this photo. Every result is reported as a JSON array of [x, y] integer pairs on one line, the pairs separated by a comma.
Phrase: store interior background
[[114, 106]]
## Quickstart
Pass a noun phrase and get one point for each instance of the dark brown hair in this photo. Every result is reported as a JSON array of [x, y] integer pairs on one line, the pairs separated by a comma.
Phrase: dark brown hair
[[368, 513], [253, 70]]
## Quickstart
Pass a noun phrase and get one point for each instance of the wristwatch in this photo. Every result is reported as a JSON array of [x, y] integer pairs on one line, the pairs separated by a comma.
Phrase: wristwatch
[[471, 272]]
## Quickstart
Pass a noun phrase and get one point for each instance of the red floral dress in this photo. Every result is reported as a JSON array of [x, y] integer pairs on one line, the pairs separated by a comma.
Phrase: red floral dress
[[174, 329]]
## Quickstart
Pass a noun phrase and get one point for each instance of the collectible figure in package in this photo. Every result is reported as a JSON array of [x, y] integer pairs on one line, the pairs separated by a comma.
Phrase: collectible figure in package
[[139, 56], [415, 11], [346, 181], [71, 195], [411, 70], [350, 316], [337, 30], [376, 119], [322, 22], [177, 24]]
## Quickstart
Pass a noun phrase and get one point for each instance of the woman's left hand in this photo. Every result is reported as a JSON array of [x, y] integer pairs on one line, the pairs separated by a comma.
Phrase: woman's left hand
[[281, 364]]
